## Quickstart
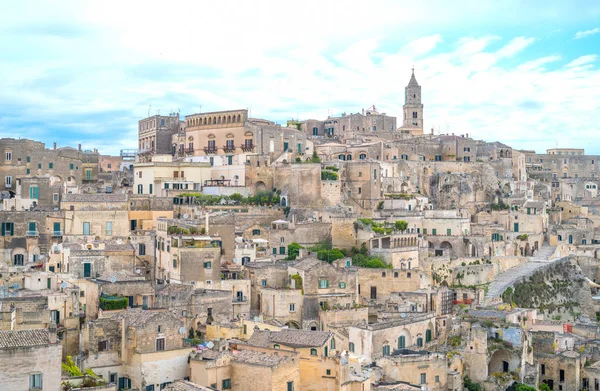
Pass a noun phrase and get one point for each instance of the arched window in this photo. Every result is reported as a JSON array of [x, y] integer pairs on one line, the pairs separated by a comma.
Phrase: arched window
[[313, 352], [349, 157], [214, 120], [332, 344], [239, 118], [401, 342], [428, 336], [420, 341], [174, 263], [275, 346], [559, 237], [362, 156], [342, 157]]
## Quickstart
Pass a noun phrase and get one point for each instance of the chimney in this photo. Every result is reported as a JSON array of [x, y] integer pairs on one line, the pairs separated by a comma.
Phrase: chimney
[[52, 333], [54, 145], [80, 147]]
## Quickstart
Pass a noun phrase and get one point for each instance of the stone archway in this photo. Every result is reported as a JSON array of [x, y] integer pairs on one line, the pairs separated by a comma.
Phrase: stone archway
[[259, 186], [503, 361], [293, 325]]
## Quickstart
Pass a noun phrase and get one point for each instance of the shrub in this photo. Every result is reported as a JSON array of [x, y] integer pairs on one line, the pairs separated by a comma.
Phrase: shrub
[[293, 251], [113, 303], [329, 175]]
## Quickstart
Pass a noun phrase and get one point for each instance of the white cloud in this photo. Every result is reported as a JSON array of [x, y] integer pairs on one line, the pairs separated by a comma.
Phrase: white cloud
[[583, 60], [586, 33], [285, 61]]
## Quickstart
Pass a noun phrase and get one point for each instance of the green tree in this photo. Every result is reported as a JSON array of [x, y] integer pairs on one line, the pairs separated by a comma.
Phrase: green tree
[[524, 387], [315, 158], [544, 387], [401, 225], [293, 251]]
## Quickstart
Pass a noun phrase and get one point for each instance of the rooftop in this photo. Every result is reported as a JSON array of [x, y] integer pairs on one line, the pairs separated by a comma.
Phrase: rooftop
[[291, 338], [23, 338], [184, 385], [259, 358], [102, 197]]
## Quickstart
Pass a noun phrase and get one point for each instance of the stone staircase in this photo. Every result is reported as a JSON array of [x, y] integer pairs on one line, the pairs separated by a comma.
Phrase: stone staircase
[[515, 274]]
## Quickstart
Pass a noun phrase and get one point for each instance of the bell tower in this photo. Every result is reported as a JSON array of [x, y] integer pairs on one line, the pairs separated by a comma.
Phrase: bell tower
[[413, 108]]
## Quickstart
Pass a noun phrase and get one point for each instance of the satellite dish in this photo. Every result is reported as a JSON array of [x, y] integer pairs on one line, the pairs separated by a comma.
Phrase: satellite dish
[[182, 330], [113, 279], [63, 285], [186, 216], [210, 345], [138, 271], [403, 315], [123, 191]]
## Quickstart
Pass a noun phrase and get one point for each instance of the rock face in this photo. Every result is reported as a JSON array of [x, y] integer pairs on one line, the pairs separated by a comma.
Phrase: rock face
[[559, 291]]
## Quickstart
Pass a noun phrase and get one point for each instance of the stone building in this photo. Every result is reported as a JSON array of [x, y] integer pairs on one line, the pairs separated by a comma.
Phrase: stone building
[[417, 367], [165, 176], [30, 360], [155, 134], [129, 346], [245, 370], [96, 215]]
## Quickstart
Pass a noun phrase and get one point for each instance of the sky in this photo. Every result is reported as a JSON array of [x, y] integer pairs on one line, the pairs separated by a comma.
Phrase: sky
[[525, 73]]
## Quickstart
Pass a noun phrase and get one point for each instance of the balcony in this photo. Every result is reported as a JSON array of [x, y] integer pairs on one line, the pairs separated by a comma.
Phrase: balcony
[[32, 233], [229, 148], [240, 300], [247, 147], [189, 151], [56, 234], [210, 150]]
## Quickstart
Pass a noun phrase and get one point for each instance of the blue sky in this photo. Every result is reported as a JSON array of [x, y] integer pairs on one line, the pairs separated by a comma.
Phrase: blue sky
[[524, 72]]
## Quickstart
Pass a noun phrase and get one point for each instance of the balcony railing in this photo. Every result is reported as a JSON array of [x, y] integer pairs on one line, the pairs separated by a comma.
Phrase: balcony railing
[[56, 233], [229, 148], [32, 233], [247, 147], [210, 150], [189, 150], [240, 300]]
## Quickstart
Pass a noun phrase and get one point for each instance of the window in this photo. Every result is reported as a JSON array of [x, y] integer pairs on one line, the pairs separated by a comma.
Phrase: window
[[34, 192], [420, 341], [424, 231], [28, 159], [449, 231], [8, 181], [292, 307], [386, 350], [256, 232], [383, 274], [19, 259], [263, 283], [109, 228], [434, 231], [226, 384], [351, 347], [401, 342], [208, 265], [8, 229], [290, 386], [35, 381], [323, 284], [8, 156], [39, 166], [140, 189], [86, 228], [428, 336], [342, 285], [50, 166], [315, 131], [543, 369], [362, 156], [27, 171], [282, 250], [141, 249], [55, 197], [423, 378], [102, 346], [313, 352], [160, 344], [150, 188]]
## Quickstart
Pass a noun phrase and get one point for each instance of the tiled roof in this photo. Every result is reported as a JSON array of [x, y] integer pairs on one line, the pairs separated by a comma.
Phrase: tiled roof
[[292, 338], [23, 338], [308, 263], [184, 385], [136, 318], [102, 197]]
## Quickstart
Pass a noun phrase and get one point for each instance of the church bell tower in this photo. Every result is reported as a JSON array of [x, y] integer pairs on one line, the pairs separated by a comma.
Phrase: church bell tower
[[413, 108]]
